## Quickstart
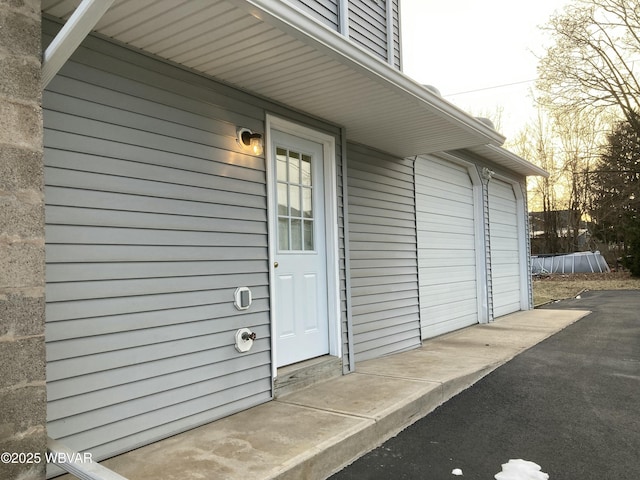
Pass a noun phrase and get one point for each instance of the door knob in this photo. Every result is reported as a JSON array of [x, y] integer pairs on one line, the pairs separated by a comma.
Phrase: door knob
[[275, 264]]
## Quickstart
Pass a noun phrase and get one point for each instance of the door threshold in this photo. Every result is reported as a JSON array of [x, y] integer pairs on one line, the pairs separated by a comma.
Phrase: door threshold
[[297, 376]]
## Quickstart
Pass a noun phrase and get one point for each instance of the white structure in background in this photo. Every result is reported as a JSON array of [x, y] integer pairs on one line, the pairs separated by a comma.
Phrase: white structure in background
[[579, 262]]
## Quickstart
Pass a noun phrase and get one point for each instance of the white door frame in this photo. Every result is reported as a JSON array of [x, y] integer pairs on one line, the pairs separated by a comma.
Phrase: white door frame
[[328, 143]]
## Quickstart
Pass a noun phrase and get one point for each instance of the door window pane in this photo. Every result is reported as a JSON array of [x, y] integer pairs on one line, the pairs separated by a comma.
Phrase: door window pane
[[283, 200], [294, 167], [281, 164], [283, 233], [307, 208], [294, 184], [305, 169], [296, 234], [294, 201], [308, 235]]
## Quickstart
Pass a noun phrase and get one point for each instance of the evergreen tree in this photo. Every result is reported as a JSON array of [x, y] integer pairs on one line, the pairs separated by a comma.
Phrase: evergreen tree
[[616, 186]]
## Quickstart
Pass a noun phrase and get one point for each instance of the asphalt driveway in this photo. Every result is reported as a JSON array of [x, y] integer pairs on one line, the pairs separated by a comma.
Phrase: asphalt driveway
[[570, 404]]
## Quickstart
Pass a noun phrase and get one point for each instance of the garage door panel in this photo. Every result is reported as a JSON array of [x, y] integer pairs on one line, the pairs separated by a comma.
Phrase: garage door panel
[[449, 312], [443, 241], [506, 258], [442, 171], [443, 221], [507, 308], [434, 259], [505, 248], [446, 246], [452, 192], [440, 328], [503, 205], [452, 275], [433, 204], [444, 294]]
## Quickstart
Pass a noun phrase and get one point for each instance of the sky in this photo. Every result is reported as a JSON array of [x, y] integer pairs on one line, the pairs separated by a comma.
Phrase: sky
[[480, 55]]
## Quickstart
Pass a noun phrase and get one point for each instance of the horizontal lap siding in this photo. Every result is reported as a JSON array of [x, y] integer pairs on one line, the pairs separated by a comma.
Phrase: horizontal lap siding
[[382, 240], [325, 11], [154, 217], [397, 50], [368, 25]]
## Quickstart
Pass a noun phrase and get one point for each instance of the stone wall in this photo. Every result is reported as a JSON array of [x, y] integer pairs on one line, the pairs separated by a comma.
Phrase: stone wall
[[22, 278]]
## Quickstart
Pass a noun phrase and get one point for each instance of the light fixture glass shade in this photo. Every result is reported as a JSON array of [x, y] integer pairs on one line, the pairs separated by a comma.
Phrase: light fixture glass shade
[[256, 145], [250, 141]]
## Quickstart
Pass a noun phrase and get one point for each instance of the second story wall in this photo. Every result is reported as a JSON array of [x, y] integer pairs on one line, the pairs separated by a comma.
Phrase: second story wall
[[371, 24]]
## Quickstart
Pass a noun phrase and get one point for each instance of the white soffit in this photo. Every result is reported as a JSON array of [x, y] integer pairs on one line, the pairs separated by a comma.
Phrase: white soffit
[[272, 49]]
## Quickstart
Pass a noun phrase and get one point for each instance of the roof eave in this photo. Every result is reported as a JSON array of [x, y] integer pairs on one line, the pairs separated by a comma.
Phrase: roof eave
[[509, 160], [295, 23]]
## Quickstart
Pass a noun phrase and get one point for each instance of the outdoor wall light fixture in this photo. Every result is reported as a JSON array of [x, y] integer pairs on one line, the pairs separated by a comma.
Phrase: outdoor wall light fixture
[[487, 173], [252, 141]]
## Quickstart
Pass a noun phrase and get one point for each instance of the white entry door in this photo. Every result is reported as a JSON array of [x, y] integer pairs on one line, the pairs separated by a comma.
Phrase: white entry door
[[299, 260]]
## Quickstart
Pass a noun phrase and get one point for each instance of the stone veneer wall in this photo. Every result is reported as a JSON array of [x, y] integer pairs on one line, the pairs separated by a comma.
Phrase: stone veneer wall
[[22, 255]]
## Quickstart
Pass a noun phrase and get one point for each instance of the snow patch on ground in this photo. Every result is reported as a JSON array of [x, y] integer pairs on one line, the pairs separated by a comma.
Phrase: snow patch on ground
[[521, 470]]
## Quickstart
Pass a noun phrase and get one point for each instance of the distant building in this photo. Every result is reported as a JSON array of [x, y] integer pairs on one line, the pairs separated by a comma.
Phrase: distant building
[[567, 239]]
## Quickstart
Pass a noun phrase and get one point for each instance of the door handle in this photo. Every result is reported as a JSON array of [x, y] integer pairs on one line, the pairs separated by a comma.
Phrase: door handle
[[275, 264]]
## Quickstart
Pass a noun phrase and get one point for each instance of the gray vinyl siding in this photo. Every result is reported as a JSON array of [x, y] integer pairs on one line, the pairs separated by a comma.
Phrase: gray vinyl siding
[[383, 253], [368, 23], [154, 216], [149, 231], [368, 27], [397, 50], [325, 11]]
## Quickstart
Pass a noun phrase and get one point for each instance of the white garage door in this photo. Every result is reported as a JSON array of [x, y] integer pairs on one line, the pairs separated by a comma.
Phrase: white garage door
[[446, 247], [505, 252]]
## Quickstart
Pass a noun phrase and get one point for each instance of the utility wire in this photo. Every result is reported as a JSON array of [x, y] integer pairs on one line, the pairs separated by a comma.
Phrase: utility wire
[[490, 88]]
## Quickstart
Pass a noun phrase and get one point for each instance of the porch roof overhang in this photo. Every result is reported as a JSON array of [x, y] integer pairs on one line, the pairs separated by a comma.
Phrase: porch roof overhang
[[509, 160], [275, 51]]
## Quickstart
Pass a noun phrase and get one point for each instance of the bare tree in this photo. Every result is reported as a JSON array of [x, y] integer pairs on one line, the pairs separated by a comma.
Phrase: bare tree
[[580, 136], [594, 62], [535, 143], [567, 146]]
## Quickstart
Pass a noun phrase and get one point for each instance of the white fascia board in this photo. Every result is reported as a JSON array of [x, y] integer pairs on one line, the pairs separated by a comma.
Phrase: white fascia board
[[295, 23], [74, 31], [500, 156], [517, 161]]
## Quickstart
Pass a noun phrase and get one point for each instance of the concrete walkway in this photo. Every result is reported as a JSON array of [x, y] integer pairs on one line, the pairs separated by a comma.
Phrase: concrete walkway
[[314, 432]]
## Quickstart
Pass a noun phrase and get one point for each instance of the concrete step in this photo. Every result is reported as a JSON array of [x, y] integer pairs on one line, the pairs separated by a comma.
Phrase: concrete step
[[293, 378]]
